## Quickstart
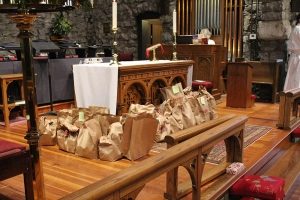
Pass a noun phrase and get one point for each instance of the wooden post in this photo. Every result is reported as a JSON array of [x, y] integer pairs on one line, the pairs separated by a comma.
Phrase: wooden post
[[24, 23]]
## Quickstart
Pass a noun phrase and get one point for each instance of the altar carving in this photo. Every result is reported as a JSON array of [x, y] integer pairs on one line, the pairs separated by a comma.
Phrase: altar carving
[[141, 83], [210, 61]]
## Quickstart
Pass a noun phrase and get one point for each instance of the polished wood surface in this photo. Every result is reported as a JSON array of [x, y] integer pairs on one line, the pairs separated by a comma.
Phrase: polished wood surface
[[64, 173], [239, 85], [141, 83], [289, 115], [5, 81], [189, 154], [210, 61], [266, 73]]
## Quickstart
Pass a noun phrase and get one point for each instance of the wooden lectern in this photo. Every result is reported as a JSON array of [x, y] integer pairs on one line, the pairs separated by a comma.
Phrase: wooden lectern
[[239, 85]]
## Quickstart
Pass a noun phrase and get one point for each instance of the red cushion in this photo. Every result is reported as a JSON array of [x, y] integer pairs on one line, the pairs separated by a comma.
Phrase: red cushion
[[296, 132], [205, 84], [6, 146], [265, 187]]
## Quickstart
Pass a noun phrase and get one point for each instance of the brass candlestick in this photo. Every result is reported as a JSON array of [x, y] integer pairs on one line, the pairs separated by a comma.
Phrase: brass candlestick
[[174, 57], [114, 50]]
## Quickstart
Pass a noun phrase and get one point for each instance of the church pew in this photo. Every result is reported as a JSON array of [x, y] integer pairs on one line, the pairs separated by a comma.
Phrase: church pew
[[181, 136], [127, 183], [289, 116]]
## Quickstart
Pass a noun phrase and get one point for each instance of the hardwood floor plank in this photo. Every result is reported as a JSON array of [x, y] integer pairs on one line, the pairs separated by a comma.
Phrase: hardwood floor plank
[[65, 172]]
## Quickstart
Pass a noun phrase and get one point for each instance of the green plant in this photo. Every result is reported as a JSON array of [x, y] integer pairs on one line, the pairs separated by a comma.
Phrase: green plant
[[61, 25]]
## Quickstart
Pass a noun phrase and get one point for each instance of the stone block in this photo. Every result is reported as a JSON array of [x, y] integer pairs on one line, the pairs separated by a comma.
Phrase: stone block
[[272, 30]]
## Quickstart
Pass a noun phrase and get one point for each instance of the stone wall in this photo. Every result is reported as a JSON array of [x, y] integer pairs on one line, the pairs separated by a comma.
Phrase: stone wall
[[273, 29], [94, 26]]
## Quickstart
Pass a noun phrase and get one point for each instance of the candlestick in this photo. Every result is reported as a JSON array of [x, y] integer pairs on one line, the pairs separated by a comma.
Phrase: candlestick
[[174, 21], [114, 49], [114, 14], [174, 57]]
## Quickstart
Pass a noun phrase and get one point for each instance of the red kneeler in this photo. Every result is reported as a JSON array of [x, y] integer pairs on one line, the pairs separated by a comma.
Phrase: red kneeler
[[15, 160], [262, 187], [207, 84], [295, 134]]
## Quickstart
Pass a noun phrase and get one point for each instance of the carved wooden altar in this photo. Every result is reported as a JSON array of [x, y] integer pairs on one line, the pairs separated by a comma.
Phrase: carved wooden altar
[[210, 61], [141, 83]]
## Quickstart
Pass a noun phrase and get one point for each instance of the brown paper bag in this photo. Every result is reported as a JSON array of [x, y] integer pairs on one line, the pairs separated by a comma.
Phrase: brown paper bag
[[140, 131], [66, 140], [109, 145], [98, 110], [136, 109], [188, 117], [163, 128], [88, 137], [199, 118], [47, 129], [172, 92]]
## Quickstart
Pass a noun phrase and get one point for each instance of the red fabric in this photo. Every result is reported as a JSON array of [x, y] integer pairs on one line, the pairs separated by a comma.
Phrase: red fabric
[[147, 53], [205, 84], [125, 56], [253, 96], [264, 187], [248, 198], [8, 146], [296, 132]]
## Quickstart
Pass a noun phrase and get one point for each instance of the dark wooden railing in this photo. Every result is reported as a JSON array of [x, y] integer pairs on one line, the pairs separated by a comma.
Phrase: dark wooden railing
[[289, 115], [127, 183]]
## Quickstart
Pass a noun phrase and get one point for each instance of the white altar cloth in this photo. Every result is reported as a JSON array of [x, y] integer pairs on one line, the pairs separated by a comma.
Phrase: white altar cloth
[[97, 84]]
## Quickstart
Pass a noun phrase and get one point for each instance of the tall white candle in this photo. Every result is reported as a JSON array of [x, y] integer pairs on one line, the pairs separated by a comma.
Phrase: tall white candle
[[174, 21], [114, 14]]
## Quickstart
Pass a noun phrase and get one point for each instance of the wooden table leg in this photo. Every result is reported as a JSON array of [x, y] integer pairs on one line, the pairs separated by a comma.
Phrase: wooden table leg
[[5, 103]]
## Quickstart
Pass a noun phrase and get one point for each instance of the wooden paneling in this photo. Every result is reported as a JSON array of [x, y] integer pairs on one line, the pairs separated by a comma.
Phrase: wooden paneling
[[210, 61], [239, 85], [141, 83]]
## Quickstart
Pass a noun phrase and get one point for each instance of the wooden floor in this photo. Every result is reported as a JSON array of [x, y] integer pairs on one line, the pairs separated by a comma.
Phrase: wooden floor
[[64, 172]]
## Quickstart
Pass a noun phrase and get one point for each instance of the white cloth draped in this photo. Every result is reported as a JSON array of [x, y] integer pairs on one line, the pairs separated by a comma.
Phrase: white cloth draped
[[96, 85], [292, 80]]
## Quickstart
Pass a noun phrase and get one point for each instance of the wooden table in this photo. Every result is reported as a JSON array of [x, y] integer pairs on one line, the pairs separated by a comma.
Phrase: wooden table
[[6, 107], [132, 82]]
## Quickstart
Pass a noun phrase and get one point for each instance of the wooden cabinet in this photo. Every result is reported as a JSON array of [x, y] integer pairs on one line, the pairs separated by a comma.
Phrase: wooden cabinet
[[267, 79], [239, 85], [266, 74], [210, 61]]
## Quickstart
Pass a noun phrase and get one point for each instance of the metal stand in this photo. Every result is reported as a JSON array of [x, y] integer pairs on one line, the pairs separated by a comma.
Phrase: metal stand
[[114, 50], [174, 57], [51, 112]]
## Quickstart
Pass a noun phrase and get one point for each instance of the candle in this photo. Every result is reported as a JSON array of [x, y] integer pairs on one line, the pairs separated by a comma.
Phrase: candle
[[114, 14], [174, 21]]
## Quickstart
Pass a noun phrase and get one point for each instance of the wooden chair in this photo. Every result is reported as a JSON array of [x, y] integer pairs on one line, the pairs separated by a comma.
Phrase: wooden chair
[[15, 160]]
